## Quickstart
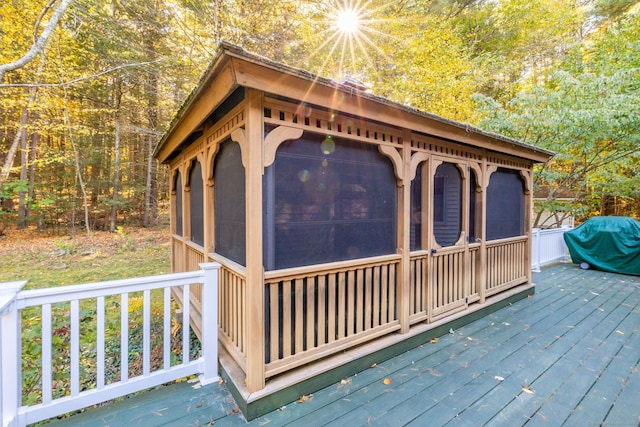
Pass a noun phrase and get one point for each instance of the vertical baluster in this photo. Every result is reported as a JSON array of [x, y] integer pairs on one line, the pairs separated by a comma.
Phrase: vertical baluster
[[124, 337], [224, 301], [322, 316], [385, 298], [186, 315], [331, 314], [412, 287], [46, 353], [368, 298], [392, 282], [286, 318], [146, 333], [100, 342], [341, 304], [299, 325], [311, 322], [274, 324], [166, 333], [235, 321], [75, 347], [376, 296], [241, 314], [351, 298], [360, 300]]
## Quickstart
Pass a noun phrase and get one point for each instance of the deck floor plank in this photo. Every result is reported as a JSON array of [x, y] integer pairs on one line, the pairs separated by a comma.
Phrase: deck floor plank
[[484, 325], [547, 349], [359, 388], [559, 363], [462, 357], [613, 354], [575, 343], [515, 340]]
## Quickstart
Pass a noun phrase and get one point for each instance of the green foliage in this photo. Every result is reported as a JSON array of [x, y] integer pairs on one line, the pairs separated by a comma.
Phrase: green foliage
[[591, 121], [122, 69]]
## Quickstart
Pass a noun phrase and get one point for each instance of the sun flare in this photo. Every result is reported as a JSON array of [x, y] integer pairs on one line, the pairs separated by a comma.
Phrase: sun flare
[[352, 32], [347, 21]]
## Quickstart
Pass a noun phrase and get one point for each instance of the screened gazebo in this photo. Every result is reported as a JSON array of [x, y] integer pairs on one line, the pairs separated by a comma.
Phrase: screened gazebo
[[345, 224]]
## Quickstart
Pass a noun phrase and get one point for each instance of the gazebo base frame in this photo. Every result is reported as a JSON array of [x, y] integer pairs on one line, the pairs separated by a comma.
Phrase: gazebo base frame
[[290, 386]]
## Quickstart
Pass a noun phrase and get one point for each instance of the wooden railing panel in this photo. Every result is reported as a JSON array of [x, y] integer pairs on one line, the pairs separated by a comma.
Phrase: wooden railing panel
[[195, 257], [448, 283], [313, 314], [474, 280], [418, 287], [443, 282], [177, 254], [232, 313], [506, 264]]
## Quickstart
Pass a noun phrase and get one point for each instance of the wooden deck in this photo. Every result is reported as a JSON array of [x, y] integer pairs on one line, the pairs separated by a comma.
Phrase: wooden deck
[[569, 355]]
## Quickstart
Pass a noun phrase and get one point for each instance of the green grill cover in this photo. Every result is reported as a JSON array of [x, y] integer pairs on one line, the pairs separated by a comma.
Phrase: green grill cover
[[609, 243]]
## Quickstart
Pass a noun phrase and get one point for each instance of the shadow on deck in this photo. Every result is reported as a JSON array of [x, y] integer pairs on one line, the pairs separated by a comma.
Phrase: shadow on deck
[[569, 355]]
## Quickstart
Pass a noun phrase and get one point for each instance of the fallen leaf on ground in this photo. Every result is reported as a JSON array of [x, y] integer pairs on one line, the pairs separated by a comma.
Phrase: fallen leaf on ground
[[387, 381], [433, 372], [619, 332], [433, 340], [470, 339], [373, 365], [345, 381], [305, 398], [499, 378], [235, 410], [526, 389], [506, 324]]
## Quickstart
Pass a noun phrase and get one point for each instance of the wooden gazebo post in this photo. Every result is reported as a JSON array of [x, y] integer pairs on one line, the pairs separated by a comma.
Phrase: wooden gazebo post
[[254, 295]]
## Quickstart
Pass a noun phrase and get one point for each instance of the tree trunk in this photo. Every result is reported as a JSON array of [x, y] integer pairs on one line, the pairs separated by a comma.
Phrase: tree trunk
[[151, 193], [11, 154], [13, 149], [22, 195], [80, 181], [117, 97], [40, 42], [35, 137]]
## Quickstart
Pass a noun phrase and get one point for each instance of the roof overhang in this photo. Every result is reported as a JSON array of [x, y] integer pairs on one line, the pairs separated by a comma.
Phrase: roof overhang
[[234, 67]]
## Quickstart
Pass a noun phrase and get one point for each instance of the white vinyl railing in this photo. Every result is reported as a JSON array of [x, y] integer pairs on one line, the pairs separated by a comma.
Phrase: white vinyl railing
[[547, 247], [88, 376]]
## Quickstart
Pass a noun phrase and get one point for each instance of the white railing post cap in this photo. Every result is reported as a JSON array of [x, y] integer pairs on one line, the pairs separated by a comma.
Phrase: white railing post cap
[[210, 265]]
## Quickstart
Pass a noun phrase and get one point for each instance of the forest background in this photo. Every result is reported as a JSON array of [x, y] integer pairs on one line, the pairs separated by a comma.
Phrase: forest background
[[81, 115]]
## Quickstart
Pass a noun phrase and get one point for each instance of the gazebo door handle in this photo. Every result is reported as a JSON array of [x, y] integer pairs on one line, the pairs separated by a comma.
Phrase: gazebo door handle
[[434, 251]]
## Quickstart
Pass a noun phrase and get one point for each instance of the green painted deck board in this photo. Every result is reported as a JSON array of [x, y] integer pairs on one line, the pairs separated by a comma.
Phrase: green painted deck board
[[561, 367], [382, 410], [576, 343]]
